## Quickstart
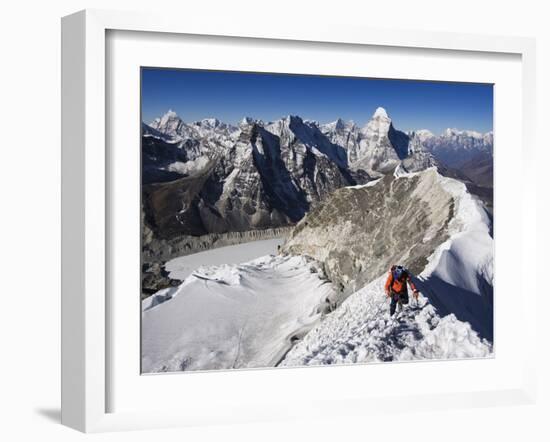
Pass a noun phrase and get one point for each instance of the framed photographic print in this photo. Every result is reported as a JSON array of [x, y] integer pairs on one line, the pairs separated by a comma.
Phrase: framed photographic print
[[269, 221]]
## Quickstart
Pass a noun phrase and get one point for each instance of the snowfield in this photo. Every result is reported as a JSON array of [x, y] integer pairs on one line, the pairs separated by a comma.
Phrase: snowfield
[[183, 266], [232, 316]]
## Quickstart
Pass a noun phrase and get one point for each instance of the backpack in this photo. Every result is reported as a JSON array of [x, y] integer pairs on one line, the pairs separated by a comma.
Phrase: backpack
[[398, 273]]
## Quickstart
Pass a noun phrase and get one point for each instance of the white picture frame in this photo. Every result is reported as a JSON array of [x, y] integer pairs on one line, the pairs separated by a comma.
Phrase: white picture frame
[[86, 317]]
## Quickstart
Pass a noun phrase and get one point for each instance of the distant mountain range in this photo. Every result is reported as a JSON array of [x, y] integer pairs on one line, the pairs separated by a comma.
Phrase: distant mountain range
[[212, 177]]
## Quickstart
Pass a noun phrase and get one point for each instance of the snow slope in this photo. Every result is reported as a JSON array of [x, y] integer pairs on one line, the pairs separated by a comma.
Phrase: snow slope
[[459, 277], [232, 316], [456, 282], [361, 330]]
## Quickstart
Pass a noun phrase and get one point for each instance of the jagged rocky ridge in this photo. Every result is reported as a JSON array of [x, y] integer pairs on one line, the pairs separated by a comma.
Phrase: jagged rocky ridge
[[263, 180], [359, 232]]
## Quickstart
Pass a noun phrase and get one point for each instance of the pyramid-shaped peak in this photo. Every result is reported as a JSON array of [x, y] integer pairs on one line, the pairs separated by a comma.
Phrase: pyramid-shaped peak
[[339, 124], [380, 112], [170, 114], [168, 117]]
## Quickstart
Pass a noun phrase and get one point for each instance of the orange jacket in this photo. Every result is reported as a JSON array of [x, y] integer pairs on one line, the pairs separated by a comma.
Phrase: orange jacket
[[398, 285]]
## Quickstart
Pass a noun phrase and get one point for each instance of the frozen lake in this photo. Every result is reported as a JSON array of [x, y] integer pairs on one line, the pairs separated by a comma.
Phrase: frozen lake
[[180, 268]]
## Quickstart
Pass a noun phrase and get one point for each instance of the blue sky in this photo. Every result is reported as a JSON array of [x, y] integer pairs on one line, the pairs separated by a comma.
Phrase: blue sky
[[229, 96]]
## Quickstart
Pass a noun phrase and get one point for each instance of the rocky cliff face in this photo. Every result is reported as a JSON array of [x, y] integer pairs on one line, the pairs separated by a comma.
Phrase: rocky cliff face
[[360, 231], [164, 250], [268, 177], [342, 133]]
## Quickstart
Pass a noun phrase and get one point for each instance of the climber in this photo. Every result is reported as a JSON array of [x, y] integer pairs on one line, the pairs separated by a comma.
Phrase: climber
[[396, 287]]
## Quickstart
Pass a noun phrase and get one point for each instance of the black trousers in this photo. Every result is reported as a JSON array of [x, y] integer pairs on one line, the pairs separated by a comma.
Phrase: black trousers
[[395, 298]]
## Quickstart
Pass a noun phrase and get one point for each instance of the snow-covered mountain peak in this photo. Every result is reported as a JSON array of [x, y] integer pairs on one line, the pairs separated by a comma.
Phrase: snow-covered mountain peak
[[453, 132], [339, 124], [449, 132], [457, 133], [380, 112], [293, 119], [168, 124], [379, 124], [168, 116], [209, 122], [293, 127], [423, 134], [247, 121], [313, 123], [473, 134], [466, 150]]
